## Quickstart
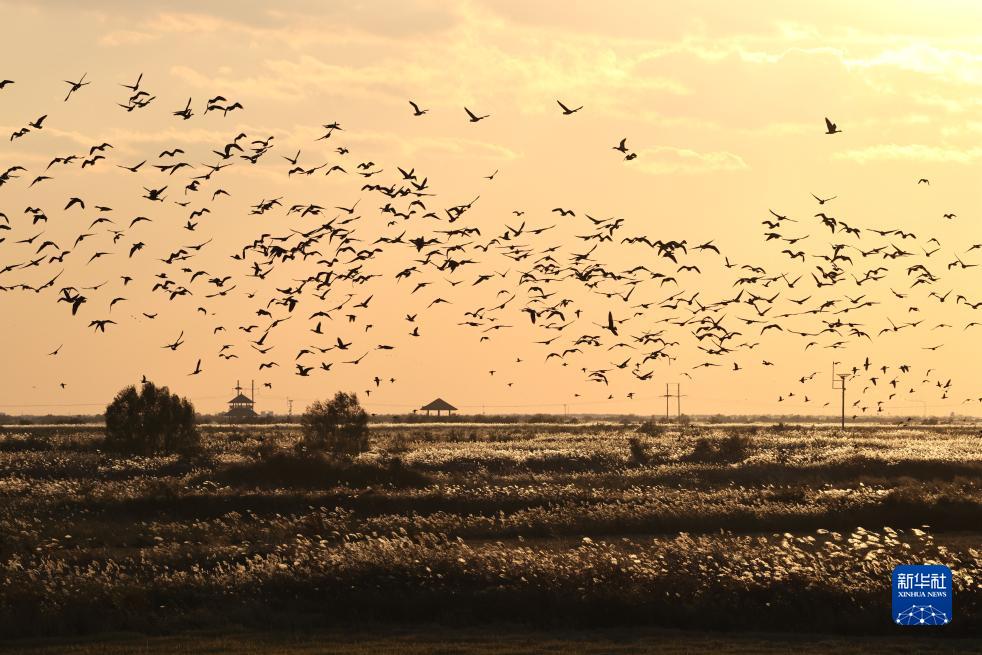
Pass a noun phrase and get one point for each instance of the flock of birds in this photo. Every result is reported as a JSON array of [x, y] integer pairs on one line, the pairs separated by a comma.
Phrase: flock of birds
[[321, 264]]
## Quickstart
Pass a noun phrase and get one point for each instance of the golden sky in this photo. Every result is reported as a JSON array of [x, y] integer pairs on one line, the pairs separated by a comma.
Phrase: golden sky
[[723, 103]]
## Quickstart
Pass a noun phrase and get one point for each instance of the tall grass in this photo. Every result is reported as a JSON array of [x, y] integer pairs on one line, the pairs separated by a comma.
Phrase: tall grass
[[705, 526]]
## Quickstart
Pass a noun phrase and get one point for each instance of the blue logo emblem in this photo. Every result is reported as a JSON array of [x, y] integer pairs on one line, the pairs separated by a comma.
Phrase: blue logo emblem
[[922, 594]]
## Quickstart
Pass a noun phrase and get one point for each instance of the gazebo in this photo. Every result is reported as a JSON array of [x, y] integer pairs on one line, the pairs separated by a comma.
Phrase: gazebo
[[241, 408], [438, 406]]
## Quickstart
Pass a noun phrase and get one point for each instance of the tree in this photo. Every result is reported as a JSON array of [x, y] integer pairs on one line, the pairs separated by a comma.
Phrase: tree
[[338, 427], [151, 421]]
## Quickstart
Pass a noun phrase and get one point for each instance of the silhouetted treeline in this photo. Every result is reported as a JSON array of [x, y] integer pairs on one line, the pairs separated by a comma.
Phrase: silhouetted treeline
[[51, 419], [84, 419]]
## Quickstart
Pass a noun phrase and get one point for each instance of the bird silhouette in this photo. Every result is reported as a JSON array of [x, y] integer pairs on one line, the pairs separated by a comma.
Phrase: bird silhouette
[[76, 86], [474, 117], [566, 110]]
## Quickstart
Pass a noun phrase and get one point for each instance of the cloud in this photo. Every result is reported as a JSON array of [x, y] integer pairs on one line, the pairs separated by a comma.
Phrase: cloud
[[441, 146], [666, 160], [122, 136], [926, 59], [298, 79], [911, 152], [126, 37]]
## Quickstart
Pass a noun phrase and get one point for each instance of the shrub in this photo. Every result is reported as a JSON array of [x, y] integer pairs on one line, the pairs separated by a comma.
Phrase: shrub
[[151, 421], [267, 449], [399, 443], [338, 427], [651, 429], [733, 448], [639, 454]]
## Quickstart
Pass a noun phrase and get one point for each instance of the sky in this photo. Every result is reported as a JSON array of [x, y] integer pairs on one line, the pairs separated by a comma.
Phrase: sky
[[724, 105]]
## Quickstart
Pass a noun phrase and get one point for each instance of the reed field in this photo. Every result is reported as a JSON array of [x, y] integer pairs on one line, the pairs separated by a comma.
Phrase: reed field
[[546, 526]]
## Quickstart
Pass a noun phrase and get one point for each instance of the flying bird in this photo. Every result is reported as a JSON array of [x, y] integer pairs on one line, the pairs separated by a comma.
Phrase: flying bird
[[566, 110], [474, 117], [75, 86]]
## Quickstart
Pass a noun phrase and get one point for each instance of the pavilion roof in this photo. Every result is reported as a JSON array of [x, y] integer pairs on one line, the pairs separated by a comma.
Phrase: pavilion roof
[[438, 404]]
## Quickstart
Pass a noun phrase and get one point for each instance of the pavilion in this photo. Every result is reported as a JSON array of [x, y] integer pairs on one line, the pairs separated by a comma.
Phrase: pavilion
[[241, 409], [438, 406]]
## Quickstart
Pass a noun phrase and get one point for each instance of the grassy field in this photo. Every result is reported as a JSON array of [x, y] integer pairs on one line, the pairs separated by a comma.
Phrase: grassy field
[[547, 526]]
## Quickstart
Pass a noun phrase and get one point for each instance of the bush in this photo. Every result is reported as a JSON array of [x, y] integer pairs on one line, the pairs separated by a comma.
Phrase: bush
[[639, 454], [338, 427], [399, 443], [651, 429], [733, 448], [151, 421]]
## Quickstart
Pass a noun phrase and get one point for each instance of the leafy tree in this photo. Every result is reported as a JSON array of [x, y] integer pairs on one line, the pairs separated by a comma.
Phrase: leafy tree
[[151, 421], [338, 427]]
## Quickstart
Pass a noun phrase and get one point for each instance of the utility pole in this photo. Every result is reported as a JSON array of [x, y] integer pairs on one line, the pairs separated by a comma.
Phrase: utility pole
[[678, 399], [840, 380], [289, 404], [842, 384], [668, 398]]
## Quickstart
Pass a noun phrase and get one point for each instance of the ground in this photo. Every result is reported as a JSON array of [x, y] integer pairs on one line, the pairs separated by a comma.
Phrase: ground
[[742, 530], [510, 640]]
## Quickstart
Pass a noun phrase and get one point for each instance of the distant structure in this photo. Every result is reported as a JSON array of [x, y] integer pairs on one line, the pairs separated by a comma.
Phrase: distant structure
[[241, 409], [439, 405]]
